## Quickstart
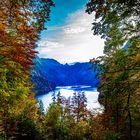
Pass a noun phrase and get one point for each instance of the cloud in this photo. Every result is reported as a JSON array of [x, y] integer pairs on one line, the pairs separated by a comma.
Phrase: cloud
[[50, 44], [75, 30], [74, 42]]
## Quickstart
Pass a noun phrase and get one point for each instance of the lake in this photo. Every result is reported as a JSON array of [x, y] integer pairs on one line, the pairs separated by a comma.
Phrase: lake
[[67, 91]]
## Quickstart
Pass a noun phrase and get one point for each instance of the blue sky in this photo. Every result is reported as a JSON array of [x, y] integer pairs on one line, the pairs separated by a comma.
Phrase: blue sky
[[69, 37], [62, 9]]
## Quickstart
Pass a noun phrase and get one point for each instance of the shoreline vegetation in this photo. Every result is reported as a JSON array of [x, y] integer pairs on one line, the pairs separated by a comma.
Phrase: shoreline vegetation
[[22, 117], [67, 92]]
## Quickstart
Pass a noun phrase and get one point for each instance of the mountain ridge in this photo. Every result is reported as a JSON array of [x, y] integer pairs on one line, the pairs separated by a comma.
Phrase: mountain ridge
[[57, 74]]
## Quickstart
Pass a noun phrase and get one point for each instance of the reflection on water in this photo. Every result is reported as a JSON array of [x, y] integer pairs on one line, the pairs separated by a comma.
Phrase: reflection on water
[[67, 91]]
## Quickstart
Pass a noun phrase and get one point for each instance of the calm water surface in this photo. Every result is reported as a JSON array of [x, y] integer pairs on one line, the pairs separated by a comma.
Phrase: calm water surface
[[90, 92]]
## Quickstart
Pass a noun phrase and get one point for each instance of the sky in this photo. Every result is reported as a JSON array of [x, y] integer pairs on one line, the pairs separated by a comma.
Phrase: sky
[[68, 37]]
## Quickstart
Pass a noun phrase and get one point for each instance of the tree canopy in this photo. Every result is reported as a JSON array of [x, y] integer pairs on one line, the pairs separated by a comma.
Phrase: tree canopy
[[118, 22], [21, 22]]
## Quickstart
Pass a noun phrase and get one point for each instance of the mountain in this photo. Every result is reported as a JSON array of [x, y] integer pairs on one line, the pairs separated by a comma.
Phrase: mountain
[[41, 84], [49, 73]]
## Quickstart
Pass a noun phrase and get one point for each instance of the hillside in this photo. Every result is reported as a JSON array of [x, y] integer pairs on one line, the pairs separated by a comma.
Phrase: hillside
[[49, 73]]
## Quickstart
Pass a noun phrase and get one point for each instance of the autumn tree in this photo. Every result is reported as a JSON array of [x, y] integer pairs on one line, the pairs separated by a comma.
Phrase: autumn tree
[[79, 106], [71, 119], [118, 22], [21, 22]]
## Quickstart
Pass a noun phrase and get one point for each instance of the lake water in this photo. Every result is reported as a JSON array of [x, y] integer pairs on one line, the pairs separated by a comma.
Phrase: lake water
[[67, 91]]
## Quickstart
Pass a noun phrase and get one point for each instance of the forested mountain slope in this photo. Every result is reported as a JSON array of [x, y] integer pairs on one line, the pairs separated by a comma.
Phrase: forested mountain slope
[[48, 73]]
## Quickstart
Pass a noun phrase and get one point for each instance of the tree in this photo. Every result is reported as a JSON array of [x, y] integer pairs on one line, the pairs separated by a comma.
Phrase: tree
[[20, 25], [51, 122], [121, 12], [119, 66], [79, 103], [64, 124]]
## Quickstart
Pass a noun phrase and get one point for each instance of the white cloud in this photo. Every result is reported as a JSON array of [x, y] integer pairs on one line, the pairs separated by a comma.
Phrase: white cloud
[[75, 30], [75, 41], [50, 44]]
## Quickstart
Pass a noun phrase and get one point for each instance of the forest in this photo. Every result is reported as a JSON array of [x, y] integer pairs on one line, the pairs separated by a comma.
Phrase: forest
[[22, 116]]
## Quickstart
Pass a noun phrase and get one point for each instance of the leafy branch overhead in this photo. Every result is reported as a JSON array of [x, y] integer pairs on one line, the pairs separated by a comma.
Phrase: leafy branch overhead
[[118, 22], [125, 14], [20, 25]]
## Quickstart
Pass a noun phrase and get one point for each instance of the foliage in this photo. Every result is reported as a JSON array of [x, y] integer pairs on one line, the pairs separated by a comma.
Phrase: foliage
[[115, 12], [21, 117], [118, 22], [21, 22], [71, 118]]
